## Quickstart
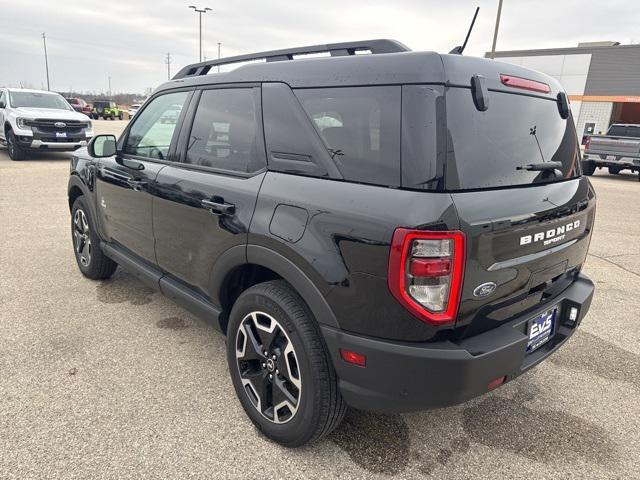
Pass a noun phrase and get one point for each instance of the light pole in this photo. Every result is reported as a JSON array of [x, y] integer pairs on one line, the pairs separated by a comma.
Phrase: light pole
[[200, 11], [495, 32], [219, 44], [46, 59]]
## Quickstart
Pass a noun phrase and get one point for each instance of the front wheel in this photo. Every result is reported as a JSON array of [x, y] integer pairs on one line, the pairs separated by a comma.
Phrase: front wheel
[[614, 170], [15, 152], [92, 262], [280, 366], [120, 116]]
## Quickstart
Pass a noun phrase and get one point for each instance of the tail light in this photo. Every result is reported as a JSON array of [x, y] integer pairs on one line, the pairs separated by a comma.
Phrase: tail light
[[425, 273], [587, 142]]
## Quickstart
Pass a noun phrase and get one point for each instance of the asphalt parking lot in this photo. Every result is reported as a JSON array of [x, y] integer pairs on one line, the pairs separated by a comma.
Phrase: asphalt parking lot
[[111, 380]]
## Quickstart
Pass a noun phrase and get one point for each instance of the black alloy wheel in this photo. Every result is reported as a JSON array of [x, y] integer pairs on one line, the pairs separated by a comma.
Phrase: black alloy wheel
[[268, 366]]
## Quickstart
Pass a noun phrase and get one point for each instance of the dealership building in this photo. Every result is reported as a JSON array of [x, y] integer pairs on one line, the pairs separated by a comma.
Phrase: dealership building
[[602, 80]]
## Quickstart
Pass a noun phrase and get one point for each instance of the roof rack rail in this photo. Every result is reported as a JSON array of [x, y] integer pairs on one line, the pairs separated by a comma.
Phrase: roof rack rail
[[334, 49]]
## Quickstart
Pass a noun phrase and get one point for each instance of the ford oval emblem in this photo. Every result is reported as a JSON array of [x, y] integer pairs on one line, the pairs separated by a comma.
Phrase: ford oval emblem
[[484, 290], [59, 124]]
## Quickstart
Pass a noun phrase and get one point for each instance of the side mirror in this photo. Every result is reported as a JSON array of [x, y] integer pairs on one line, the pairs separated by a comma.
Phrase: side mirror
[[102, 146], [2, 104]]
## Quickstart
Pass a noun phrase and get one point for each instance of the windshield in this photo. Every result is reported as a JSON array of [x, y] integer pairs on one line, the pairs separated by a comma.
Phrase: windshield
[[497, 147], [38, 100]]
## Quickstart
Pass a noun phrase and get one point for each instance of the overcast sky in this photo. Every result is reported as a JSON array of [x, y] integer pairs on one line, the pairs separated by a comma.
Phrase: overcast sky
[[90, 40]]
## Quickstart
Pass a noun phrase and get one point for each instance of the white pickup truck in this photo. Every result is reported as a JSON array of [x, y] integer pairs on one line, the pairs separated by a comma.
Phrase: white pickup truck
[[34, 120], [618, 150]]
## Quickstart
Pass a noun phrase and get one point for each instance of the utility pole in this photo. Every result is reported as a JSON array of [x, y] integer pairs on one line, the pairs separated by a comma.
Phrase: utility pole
[[200, 11], [168, 62], [495, 32], [46, 59], [109, 86], [219, 44]]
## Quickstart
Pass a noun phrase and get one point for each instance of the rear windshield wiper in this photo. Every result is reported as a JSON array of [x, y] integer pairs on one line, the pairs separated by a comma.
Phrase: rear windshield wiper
[[539, 167]]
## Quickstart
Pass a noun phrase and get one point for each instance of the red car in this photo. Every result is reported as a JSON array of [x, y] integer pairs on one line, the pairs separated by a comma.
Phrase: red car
[[79, 105]]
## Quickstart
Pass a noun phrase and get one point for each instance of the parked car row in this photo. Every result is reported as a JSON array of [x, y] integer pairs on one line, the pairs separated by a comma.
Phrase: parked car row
[[105, 109]]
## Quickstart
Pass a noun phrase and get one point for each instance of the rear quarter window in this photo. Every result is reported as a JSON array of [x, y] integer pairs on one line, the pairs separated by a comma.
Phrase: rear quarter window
[[485, 149], [360, 127]]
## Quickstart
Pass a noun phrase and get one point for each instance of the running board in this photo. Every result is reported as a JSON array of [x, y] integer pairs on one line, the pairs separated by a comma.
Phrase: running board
[[169, 287]]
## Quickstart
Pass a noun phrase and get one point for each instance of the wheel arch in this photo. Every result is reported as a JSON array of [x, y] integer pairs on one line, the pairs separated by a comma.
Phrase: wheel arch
[[239, 268]]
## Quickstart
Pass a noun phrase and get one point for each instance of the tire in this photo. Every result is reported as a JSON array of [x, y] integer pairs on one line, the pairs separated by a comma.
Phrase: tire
[[614, 170], [588, 168], [112, 116], [15, 152], [302, 366], [92, 262], [120, 116]]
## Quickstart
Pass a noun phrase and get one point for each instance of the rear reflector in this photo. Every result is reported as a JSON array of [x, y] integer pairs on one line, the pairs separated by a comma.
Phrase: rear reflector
[[524, 83], [496, 383], [425, 273], [353, 357]]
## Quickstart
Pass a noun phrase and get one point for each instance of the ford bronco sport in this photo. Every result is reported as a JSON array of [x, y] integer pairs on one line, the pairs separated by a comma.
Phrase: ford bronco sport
[[392, 231]]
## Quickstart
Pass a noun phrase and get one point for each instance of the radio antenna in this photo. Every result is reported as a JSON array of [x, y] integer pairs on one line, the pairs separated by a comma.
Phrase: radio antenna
[[459, 50]]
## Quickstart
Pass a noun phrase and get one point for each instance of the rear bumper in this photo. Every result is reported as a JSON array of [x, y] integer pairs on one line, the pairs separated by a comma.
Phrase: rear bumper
[[616, 161], [402, 377]]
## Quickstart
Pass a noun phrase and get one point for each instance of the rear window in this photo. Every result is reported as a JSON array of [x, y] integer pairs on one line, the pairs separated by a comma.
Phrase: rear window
[[360, 127], [624, 131], [486, 148]]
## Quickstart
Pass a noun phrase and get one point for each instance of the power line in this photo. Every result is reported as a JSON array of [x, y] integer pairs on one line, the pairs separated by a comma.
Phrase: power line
[[168, 62], [46, 59]]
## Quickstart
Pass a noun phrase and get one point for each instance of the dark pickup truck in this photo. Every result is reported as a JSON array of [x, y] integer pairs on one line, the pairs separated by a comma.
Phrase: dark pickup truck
[[618, 150]]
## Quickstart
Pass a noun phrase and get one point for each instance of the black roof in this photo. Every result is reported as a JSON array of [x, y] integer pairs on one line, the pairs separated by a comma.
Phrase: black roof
[[390, 63]]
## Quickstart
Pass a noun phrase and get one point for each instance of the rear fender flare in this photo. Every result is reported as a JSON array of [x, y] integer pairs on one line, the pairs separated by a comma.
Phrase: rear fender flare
[[285, 268]]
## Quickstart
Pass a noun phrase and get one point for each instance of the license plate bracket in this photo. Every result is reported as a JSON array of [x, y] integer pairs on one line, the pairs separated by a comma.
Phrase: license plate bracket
[[61, 134], [541, 329]]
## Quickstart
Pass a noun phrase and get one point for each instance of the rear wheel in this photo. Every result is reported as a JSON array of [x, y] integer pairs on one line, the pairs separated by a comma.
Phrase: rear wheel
[[588, 167], [112, 116], [614, 170], [15, 152], [120, 116], [86, 244], [280, 366]]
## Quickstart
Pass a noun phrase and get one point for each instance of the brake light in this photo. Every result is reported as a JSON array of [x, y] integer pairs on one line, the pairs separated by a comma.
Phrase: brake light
[[524, 83], [587, 143], [425, 273]]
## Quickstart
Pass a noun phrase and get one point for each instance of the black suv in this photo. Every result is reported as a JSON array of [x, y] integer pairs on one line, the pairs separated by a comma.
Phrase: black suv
[[379, 228]]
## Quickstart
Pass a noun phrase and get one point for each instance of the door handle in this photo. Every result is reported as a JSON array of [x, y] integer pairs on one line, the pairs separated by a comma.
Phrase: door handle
[[136, 184], [219, 208]]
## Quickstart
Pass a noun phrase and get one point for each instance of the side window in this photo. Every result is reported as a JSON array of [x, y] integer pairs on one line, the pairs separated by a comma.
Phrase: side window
[[152, 129], [360, 127], [3, 100], [225, 133]]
